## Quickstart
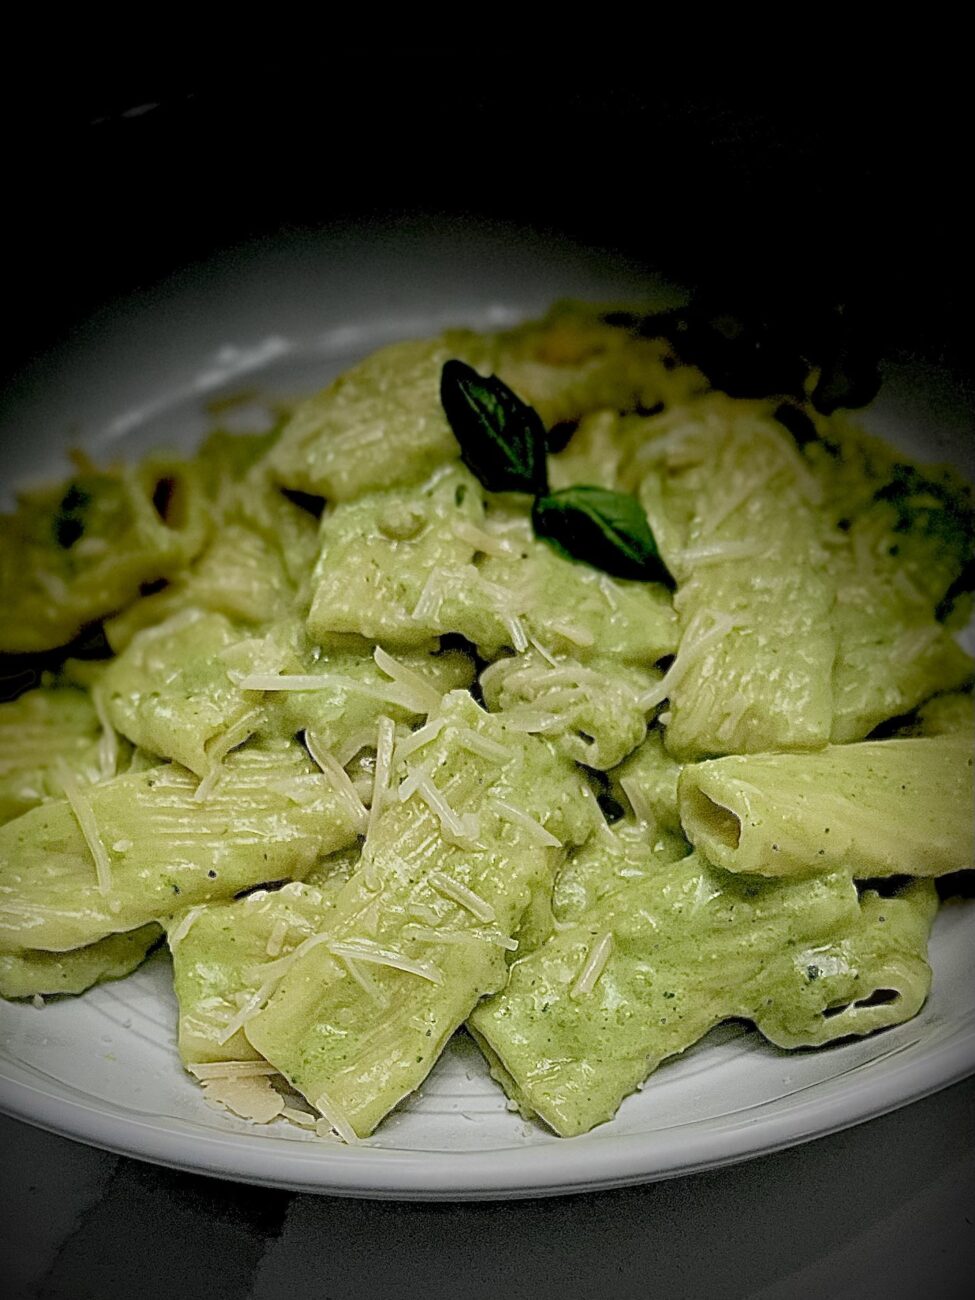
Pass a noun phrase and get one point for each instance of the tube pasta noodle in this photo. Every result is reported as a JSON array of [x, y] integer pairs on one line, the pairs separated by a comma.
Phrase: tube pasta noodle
[[885, 808], [407, 765]]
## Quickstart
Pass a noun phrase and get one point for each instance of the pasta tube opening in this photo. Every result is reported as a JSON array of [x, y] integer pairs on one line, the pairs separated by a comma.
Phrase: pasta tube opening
[[711, 821]]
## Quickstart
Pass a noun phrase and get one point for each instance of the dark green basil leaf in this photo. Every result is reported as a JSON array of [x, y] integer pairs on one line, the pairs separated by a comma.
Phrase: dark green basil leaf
[[502, 439], [608, 530]]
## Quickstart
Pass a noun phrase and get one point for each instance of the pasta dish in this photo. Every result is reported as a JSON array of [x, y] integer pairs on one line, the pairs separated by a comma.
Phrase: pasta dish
[[535, 683]]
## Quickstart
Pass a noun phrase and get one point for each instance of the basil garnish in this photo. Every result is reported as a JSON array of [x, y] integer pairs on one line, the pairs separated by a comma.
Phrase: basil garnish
[[608, 530], [502, 439]]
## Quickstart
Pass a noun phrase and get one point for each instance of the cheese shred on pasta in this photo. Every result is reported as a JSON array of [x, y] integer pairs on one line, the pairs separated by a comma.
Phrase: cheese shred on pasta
[[88, 826]]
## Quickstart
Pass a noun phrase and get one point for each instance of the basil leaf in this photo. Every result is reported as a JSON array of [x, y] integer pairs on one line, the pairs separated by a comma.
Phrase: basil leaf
[[608, 530], [502, 439]]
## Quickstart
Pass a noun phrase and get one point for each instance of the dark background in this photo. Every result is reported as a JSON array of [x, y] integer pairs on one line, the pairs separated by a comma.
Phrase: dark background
[[786, 186]]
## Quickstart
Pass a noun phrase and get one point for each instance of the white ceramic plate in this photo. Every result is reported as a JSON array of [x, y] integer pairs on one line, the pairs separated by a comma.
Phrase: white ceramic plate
[[103, 1068]]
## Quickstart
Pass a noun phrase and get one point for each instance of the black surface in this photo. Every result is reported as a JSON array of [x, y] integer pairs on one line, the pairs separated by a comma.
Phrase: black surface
[[776, 185], [883, 1211]]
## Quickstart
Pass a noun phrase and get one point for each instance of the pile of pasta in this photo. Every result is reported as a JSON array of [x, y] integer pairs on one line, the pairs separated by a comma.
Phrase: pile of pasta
[[377, 762]]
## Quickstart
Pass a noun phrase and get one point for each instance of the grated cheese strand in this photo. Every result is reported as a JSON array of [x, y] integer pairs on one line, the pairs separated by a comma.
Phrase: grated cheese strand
[[736, 499], [546, 654], [436, 934], [252, 1005], [303, 1118], [516, 630], [404, 676], [402, 698], [88, 826], [366, 950], [411, 782], [338, 1121], [183, 928], [417, 739], [483, 541], [594, 967], [360, 973], [580, 636], [638, 800], [424, 913], [354, 744], [385, 737], [108, 740], [516, 816], [483, 746], [708, 553], [531, 720], [204, 1070], [275, 940], [608, 592], [340, 780], [427, 608], [694, 644], [219, 748], [462, 895], [461, 828]]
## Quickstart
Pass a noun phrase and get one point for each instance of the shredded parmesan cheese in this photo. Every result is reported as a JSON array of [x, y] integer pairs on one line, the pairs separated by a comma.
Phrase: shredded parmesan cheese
[[695, 643], [535, 831], [424, 913], [340, 781], [410, 783], [252, 1005], [369, 986], [608, 591], [392, 694], [594, 967], [303, 1118], [516, 631], [206, 1070], [85, 818], [427, 608], [439, 934], [359, 740], [417, 739], [275, 940], [338, 1121], [366, 950], [108, 741], [219, 748], [483, 541], [459, 828], [708, 553], [914, 643], [460, 894], [407, 678], [251, 1097], [546, 654], [531, 720], [183, 928], [380, 785], [483, 746], [638, 800], [580, 636]]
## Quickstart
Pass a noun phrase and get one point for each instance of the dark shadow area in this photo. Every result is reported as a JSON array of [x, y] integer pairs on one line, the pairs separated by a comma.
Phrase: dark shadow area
[[760, 188], [884, 1209]]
